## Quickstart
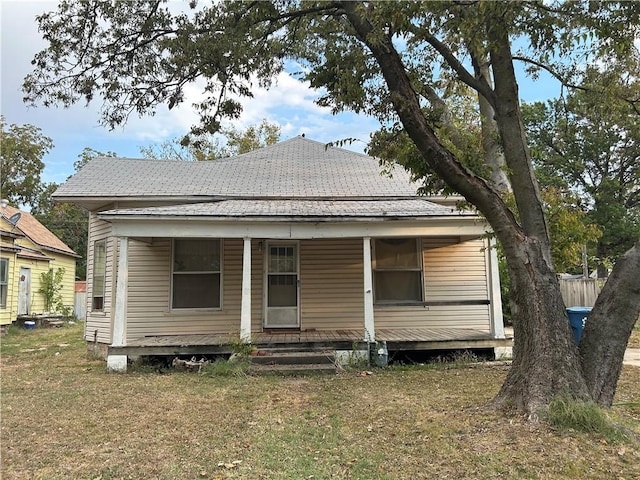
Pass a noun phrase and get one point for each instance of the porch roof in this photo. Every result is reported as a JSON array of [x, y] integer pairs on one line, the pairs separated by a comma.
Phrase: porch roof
[[292, 209]]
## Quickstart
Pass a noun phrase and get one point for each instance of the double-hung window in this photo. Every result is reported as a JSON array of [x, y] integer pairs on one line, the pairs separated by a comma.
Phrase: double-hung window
[[99, 275], [197, 273], [4, 281], [397, 270]]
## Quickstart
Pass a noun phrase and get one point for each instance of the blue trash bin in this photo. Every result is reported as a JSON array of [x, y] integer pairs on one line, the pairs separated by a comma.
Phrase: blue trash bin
[[577, 319]]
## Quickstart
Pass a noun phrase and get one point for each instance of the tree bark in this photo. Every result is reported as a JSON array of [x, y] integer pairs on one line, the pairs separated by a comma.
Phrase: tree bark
[[512, 135], [545, 358], [609, 326], [491, 148]]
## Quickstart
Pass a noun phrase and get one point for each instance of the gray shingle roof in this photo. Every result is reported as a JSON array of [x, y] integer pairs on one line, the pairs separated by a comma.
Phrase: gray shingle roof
[[296, 168], [391, 208]]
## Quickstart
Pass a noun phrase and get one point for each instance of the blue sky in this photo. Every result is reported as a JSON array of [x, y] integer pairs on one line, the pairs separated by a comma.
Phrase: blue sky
[[289, 103]]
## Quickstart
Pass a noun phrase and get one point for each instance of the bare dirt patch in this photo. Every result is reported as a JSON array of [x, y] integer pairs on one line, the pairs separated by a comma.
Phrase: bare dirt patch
[[64, 417]]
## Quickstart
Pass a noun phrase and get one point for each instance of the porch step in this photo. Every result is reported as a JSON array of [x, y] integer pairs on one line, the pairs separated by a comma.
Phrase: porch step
[[292, 357]]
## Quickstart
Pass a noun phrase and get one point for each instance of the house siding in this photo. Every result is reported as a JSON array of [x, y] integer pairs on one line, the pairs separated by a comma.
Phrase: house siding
[[453, 272], [149, 292], [331, 284], [10, 310], [67, 292], [98, 323]]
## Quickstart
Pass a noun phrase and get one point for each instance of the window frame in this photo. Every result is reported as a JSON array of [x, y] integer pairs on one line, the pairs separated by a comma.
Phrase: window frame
[[4, 284], [220, 272], [101, 307], [418, 268]]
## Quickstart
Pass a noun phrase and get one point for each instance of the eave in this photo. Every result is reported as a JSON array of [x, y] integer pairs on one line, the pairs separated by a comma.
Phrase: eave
[[291, 228]]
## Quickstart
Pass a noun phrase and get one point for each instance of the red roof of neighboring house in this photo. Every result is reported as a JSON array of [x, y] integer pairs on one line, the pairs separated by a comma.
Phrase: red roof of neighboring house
[[36, 232]]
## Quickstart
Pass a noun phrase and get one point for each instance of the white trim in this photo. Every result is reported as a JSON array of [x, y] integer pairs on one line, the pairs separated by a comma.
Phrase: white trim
[[369, 319], [122, 279], [245, 309], [493, 287], [185, 228]]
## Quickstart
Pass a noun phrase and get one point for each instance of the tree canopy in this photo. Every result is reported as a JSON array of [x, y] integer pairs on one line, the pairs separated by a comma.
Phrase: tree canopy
[[590, 145], [406, 64], [209, 147], [22, 147], [68, 222]]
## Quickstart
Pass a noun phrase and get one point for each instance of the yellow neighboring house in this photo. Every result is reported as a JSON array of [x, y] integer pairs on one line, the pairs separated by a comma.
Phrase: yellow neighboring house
[[27, 250]]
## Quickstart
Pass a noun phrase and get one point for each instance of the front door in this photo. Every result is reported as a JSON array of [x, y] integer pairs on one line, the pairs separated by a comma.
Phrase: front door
[[281, 279], [24, 291]]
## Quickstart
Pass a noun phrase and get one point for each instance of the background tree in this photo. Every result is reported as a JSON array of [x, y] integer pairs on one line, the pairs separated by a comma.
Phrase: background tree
[[209, 147], [396, 61], [591, 146], [22, 147], [68, 222]]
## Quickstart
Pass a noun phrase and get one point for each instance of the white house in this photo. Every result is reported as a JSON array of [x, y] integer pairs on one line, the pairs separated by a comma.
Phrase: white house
[[293, 243]]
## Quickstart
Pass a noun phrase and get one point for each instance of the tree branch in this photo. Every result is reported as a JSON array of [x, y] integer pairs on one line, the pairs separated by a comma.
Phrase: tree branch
[[478, 84]]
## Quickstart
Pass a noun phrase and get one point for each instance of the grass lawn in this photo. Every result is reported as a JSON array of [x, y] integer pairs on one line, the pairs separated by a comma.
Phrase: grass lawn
[[63, 417]]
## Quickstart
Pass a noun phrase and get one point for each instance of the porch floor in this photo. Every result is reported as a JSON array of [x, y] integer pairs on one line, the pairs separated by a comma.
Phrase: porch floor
[[397, 339]]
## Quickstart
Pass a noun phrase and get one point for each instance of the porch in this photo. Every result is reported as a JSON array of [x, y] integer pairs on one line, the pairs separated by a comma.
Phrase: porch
[[310, 340]]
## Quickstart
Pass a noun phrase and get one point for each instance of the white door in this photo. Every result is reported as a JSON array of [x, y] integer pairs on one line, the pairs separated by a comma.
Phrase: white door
[[24, 291], [281, 279]]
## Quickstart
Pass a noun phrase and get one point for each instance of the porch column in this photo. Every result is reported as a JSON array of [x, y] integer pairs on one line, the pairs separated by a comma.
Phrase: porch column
[[369, 323], [118, 363], [245, 309], [493, 284]]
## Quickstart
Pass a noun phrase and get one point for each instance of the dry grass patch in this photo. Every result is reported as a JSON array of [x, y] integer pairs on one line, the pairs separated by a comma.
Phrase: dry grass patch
[[64, 417]]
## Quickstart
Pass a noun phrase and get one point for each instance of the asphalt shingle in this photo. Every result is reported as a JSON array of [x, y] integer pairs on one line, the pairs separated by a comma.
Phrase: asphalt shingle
[[391, 208], [296, 168]]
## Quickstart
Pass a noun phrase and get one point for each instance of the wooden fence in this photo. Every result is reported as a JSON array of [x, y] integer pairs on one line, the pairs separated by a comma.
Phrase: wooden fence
[[580, 292]]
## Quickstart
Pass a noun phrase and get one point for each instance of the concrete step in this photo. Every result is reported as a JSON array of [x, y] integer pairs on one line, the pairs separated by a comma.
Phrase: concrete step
[[267, 357]]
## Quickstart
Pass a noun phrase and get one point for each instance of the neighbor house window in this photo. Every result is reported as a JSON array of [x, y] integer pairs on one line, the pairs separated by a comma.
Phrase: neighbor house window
[[99, 274], [397, 270], [4, 281], [197, 273]]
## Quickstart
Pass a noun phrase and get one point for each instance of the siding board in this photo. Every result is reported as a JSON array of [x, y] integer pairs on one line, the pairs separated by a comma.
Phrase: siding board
[[331, 284]]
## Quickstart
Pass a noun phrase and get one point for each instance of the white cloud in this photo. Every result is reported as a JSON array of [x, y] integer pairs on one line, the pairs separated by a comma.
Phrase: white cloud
[[289, 102]]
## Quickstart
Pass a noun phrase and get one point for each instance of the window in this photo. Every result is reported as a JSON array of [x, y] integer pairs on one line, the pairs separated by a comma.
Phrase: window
[[197, 268], [4, 281], [99, 274], [397, 270]]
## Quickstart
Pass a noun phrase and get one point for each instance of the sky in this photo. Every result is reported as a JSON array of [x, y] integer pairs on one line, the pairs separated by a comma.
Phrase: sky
[[290, 103]]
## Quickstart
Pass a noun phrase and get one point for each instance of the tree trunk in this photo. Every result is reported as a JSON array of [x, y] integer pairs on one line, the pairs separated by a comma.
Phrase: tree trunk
[[609, 326], [545, 357]]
